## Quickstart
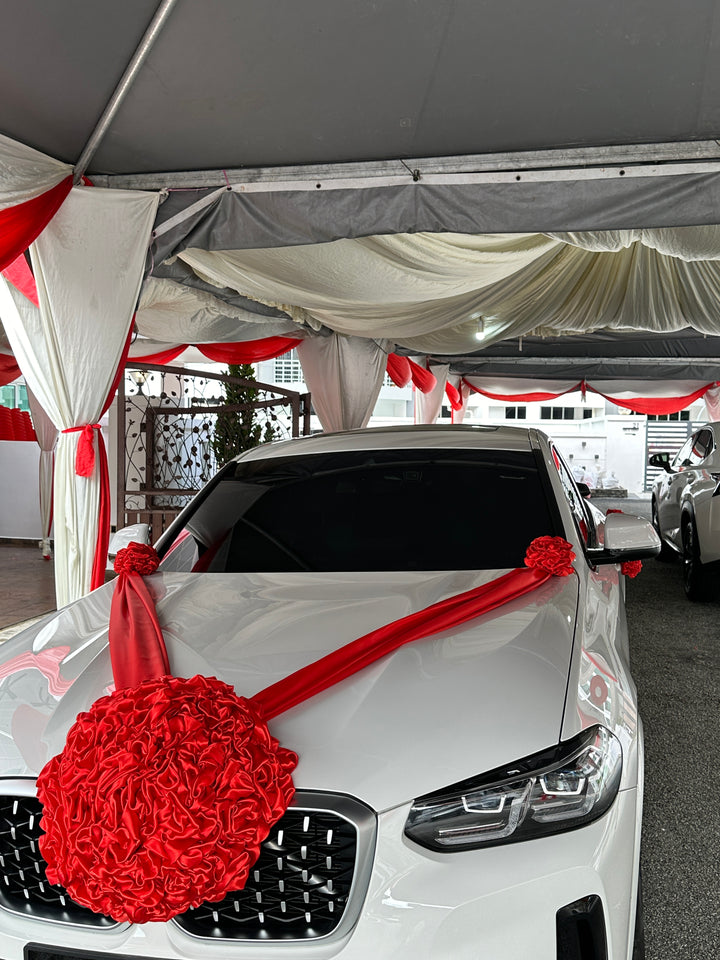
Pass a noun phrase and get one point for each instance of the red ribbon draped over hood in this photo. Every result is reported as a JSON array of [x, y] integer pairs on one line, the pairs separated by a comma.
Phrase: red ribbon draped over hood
[[167, 788]]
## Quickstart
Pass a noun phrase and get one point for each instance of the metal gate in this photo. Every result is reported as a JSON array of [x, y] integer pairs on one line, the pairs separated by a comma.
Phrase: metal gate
[[166, 422]]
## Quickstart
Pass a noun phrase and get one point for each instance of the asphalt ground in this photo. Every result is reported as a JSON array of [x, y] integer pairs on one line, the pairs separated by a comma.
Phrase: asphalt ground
[[675, 660]]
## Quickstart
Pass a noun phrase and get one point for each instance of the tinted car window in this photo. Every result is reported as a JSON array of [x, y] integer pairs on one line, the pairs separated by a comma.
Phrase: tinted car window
[[701, 447], [580, 512], [682, 457], [368, 510]]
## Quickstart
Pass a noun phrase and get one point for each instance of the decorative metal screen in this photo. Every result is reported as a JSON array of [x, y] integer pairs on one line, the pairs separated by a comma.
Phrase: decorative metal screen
[[166, 436]]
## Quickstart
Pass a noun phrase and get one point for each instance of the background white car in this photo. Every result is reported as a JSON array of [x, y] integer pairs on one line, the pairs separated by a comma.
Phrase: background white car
[[474, 794], [686, 510]]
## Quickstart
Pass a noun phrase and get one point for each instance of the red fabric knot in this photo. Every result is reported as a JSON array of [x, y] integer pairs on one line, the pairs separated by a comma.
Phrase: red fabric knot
[[85, 453], [552, 554], [137, 558], [161, 798]]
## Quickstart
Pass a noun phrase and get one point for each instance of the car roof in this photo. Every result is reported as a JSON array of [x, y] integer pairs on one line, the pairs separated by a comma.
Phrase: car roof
[[457, 436]]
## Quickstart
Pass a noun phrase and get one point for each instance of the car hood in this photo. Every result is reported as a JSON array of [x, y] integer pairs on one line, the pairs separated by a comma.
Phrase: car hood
[[434, 712]]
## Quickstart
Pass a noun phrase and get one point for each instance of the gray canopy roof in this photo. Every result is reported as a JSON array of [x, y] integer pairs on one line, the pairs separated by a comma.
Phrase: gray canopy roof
[[232, 83], [352, 119]]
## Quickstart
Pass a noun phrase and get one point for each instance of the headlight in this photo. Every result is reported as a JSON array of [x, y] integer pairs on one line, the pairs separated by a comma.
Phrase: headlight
[[559, 789]]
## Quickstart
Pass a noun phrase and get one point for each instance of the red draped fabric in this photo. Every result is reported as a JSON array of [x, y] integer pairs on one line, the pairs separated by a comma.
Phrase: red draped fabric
[[645, 405], [160, 358], [250, 351], [534, 397], [104, 517], [398, 369], [354, 656], [422, 379], [656, 405], [9, 370], [453, 395], [21, 224], [19, 274], [137, 647]]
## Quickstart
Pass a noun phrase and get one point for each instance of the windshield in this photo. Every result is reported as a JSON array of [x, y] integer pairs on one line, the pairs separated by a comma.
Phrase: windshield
[[367, 511]]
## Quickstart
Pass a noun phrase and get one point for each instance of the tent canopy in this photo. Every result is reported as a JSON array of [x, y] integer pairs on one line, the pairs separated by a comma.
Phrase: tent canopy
[[229, 85], [370, 177], [277, 125]]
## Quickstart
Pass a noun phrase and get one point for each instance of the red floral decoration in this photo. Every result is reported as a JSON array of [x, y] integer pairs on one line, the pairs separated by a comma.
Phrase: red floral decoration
[[631, 568], [552, 554], [137, 558], [161, 798]]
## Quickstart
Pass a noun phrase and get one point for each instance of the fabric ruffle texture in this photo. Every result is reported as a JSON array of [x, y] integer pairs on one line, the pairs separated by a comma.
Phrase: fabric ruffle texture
[[137, 558], [551, 554], [161, 798]]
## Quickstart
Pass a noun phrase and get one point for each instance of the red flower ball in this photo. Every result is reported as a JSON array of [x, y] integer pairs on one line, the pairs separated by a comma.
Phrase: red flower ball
[[631, 568], [161, 798], [552, 554], [137, 558]]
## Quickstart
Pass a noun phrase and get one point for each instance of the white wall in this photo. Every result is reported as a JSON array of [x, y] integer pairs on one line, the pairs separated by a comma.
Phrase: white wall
[[20, 500]]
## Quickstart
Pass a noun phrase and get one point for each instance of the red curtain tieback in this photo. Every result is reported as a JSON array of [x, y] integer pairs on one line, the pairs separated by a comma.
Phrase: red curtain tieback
[[85, 454]]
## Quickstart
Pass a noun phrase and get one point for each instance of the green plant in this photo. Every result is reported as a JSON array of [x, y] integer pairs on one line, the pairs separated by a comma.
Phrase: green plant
[[239, 429]]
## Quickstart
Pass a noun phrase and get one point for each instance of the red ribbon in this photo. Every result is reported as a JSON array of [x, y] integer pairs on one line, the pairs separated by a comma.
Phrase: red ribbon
[[85, 453], [137, 647]]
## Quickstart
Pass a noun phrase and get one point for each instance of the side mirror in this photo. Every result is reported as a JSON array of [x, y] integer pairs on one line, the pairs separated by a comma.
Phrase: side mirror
[[661, 460], [583, 489], [135, 533], [626, 538]]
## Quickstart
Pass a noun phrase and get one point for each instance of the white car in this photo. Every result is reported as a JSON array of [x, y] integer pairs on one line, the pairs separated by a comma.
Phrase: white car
[[686, 510], [474, 794]]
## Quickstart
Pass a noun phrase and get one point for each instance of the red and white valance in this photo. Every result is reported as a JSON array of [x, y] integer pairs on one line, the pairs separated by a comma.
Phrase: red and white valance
[[32, 188], [649, 396]]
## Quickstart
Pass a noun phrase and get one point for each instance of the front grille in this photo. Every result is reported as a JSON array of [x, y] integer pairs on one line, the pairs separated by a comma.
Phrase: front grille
[[24, 888], [298, 889]]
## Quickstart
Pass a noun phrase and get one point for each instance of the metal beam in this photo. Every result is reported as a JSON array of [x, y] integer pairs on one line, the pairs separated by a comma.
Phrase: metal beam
[[586, 163], [133, 68]]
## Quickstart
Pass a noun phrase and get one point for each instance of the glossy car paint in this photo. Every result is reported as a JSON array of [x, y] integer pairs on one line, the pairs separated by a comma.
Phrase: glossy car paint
[[440, 710], [688, 491]]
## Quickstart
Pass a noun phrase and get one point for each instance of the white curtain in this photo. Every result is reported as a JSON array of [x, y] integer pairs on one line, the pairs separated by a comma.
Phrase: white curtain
[[712, 403], [429, 405], [344, 376], [88, 268], [465, 393], [47, 435]]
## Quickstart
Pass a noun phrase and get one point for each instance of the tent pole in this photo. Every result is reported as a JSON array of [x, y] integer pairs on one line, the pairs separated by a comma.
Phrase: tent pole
[[158, 22]]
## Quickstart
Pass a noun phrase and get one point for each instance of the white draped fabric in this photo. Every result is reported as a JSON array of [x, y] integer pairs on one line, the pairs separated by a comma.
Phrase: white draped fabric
[[88, 268], [429, 405], [25, 173], [465, 394], [427, 291], [344, 376], [712, 403], [47, 435], [174, 313]]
